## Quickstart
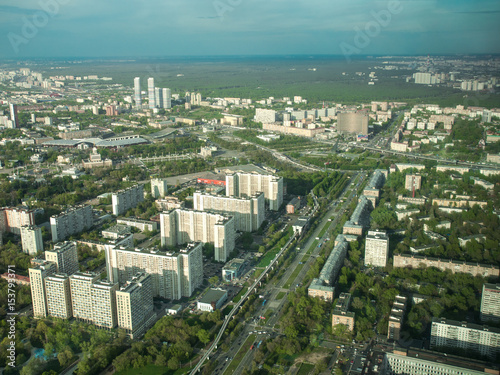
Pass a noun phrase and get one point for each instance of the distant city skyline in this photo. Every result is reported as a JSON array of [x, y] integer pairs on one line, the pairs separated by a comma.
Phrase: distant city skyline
[[63, 28]]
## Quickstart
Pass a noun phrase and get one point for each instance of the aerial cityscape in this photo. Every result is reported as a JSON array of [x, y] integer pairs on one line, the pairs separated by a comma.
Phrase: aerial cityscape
[[233, 197]]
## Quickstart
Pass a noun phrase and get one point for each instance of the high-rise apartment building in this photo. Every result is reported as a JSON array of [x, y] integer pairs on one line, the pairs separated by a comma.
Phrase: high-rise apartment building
[[415, 362], [248, 212], [31, 239], [422, 78], [137, 93], [490, 303], [125, 199], [180, 226], [265, 116], [248, 184], [471, 337], [13, 115], [159, 187], [103, 300], [158, 97], [167, 98], [134, 305], [352, 122], [376, 249], [58, 294], [72, 221], [174, 274], [81, 295], [151, 93], [413, 182], [12, 219], [65, 257], [37, 285]]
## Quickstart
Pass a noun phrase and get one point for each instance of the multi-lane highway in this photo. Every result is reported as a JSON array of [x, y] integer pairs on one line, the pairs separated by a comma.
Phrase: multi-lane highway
[[271, 289]]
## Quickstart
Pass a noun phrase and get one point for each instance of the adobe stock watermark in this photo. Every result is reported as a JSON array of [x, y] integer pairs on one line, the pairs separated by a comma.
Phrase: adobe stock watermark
[[31, 25], [372, 29], [223, 6]]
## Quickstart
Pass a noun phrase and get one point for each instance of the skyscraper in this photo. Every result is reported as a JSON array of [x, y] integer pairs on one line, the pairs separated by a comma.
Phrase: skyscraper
[[167, 98], [137, 92], [158, 97], [151, 93], [13, 115]]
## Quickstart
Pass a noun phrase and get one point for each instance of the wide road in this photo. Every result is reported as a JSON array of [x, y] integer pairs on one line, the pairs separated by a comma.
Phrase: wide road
[[267, 328]]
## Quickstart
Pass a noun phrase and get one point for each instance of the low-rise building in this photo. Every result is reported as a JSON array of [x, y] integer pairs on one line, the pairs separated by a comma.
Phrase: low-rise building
[[341, 313], [396, 318], [212, 300], [233, 269]]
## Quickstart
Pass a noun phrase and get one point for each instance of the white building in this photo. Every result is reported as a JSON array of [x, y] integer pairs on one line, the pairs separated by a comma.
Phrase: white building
[[212, 300], [248, 184], [376, 249], [265, 115], [174, 274], [248, 212], [180, 226], [37, 284], [31, 239], [57, 290], [470, 337], [159, 187], [126, 199], [65, 257], [490, 303], [72, 221]]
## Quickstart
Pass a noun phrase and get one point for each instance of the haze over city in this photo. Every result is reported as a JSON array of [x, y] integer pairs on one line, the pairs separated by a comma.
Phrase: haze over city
[[63, 28]]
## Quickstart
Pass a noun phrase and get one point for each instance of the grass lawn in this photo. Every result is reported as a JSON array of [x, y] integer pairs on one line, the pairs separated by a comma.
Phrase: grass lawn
[[266, 259], [241, 353], [292, 277], [305, 368], [305, 258], [280, 295]]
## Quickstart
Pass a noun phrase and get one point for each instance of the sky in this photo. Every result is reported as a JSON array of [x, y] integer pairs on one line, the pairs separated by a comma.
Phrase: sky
[[162, 28]]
